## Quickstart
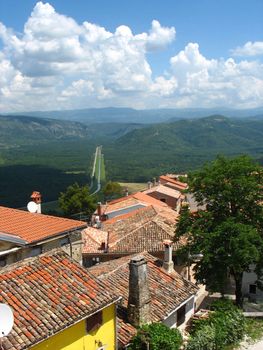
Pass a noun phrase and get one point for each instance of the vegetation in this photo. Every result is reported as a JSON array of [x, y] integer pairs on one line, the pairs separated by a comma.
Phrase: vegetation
[[225, 325], [76, 199], [157, 336], [133, 152], [180, 146], [112, 190], [229, 232]]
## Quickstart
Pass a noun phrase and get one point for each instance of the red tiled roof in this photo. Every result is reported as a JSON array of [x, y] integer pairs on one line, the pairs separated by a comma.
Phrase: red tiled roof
[[32, 227], [48, 293], [164, 190], [142, 229], [178, 183], [131, 200], [167, 291]]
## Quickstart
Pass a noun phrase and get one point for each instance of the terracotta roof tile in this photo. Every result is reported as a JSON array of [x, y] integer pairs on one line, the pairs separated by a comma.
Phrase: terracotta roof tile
[[168, 179], [130, 201], [142, 229], [32, 227], [167, 291], [47, 294], [164, 190]]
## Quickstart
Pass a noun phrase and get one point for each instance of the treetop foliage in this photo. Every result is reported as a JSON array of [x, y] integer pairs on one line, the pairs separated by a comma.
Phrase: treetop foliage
[[229, 232]]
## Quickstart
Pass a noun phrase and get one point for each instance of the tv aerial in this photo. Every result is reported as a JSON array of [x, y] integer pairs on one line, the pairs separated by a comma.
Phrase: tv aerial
[[6, 321], [32, 207]]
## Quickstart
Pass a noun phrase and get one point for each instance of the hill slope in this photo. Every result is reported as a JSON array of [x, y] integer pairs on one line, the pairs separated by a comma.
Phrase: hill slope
[[182, 145]]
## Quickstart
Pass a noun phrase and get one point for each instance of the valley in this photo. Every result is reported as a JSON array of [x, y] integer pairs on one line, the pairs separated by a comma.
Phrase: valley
[[48, 154]]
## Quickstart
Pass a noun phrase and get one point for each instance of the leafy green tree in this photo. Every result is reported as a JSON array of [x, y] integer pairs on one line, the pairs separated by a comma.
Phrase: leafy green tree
[[76, 199], [156, 336], [229, 231], [112, 190]]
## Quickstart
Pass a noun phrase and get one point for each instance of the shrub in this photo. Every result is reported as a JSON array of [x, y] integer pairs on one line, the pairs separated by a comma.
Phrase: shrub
[[203, 339], [227, 323], [159, 337]]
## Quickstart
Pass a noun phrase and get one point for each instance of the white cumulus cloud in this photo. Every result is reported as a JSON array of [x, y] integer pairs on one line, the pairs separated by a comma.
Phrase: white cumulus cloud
[[249, 49], [57, 63]]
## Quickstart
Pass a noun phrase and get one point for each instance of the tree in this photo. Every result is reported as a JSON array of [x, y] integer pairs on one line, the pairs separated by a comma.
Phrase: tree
[[112, 190], [229, 231], [156, 336], [76, 199]]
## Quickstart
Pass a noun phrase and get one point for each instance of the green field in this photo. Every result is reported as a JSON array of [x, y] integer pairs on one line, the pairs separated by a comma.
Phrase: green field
[[133, 186]]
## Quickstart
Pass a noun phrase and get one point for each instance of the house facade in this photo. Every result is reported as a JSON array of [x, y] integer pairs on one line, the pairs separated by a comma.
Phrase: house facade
[[57, 305]]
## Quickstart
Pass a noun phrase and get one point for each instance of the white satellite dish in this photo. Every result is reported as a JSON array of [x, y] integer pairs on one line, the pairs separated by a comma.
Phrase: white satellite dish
[[6, 320], [32, 207]]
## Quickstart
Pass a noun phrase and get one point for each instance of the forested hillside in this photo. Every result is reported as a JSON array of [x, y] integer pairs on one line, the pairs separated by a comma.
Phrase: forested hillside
[[181, 146], [47, 155]]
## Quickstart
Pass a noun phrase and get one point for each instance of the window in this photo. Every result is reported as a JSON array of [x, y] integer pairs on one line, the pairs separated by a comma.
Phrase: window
[[180, 315], [252, 289], [35, 251], [94, 322], [2, 261], [64, 241]]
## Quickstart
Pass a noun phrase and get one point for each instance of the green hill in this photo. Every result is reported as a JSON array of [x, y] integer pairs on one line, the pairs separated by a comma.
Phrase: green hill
[[181, 146]]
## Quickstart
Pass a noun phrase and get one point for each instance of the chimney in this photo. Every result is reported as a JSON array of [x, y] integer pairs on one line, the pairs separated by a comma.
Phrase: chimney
[[126, 191], [154, 181], [139, 294], [168, 263], [149, 185], [36, 197], [99, 210]]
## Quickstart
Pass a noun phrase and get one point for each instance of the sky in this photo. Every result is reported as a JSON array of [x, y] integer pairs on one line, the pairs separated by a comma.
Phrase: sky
[[142, 54]]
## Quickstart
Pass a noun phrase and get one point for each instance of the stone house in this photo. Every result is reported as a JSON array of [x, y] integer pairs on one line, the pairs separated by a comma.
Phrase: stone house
[[151, 290]]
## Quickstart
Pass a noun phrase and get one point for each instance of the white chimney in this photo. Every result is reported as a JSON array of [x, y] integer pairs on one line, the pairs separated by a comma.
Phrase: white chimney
[[36, 197], [168, 263]]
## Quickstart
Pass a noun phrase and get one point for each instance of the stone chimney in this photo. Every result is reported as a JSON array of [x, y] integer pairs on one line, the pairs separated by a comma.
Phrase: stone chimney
[[154, 181], [139, 294], [126, 191], [36, 197], [168, 263]]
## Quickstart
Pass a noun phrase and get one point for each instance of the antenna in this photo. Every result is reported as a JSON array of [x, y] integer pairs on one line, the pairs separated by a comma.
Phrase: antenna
[[6, 320], [32, 207]]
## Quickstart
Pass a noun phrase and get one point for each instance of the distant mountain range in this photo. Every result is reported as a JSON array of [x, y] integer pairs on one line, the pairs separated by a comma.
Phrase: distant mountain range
[[129, 115]]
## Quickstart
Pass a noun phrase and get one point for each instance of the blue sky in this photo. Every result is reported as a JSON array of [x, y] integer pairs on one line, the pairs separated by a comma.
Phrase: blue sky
[[202, 53]]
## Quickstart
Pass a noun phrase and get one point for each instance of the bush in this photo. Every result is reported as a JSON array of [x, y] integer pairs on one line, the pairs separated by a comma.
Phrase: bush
[[159, 337], [204, 339], [227, 322]]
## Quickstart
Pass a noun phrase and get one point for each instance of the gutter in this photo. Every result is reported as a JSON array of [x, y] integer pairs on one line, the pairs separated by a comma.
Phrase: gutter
[[12, 250]]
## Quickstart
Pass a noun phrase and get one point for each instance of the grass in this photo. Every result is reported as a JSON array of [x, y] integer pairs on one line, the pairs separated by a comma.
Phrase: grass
[[254, 328], [134, 186], [254, 332]]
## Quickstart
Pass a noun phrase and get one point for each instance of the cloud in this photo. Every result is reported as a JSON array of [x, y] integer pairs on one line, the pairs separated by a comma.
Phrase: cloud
[[213, 82], [57, 63], [249, 49]]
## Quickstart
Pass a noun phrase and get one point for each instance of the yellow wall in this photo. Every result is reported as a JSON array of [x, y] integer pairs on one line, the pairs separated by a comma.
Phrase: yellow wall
[[76, 338]]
